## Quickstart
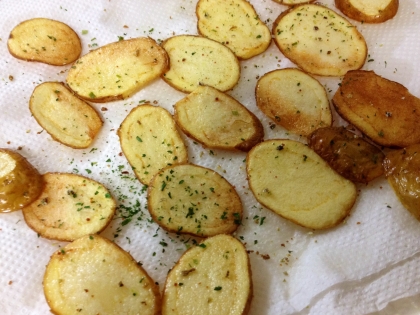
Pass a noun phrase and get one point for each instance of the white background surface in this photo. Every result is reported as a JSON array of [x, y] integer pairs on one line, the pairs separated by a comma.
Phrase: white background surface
[[357, 268]]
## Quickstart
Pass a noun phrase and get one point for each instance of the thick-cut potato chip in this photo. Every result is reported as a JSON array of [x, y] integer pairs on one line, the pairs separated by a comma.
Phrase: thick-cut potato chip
[[293, 181], [20, 182], [117, 70], [211, 278], [348, 154], [294, 100], [233, 23], [194, 200], [46, 41], [319, 40], [150, 141], [372, 11], [93, 275], [383, 110], [69, 207], [196, 61], [65, 117], [217, 120]]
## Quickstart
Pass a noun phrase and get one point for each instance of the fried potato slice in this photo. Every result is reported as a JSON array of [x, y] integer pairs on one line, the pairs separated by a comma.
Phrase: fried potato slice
[[383, 110], [194, 200], [293, 2], [294, 182], [294, 100], [233, 23], [69, 207], [211, 278], [196, 60], [150, 141], [20, 182], [348, 154], [117, 70], [93, 275], [65, 117], [372, 11], [44, 40], [402, 169], [217, 120], [319, 40]]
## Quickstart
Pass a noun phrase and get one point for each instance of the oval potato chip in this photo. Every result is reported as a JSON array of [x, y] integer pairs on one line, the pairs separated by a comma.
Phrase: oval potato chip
[[233, 23], [211, 278], [373, 11], [117, 70], [217, 120], [150, 141], [65, 117], [319, 40], [293, 181], [69, 207], [196, 61], [44, 40], [194, 200], [93, 275]]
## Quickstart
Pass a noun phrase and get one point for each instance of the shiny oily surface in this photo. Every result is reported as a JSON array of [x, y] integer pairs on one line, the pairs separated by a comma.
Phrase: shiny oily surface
[[402, 169], [20, 182]]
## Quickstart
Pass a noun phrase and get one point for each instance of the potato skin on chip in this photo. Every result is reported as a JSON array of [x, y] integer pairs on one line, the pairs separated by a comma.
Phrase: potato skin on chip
[[68, 119], [20, 182], [69, 207], [44, 40], [93, 275]]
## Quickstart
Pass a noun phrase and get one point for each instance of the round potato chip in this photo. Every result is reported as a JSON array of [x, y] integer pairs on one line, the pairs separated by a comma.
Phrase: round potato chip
[[373, 11]]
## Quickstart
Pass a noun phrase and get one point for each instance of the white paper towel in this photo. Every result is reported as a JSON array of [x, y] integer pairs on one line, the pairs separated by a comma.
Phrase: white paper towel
[[355, 268]]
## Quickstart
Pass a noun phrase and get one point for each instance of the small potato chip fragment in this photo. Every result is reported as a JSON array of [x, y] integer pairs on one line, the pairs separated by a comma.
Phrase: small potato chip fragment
[[233, 23], [294, 100], [217, 120], [68, 119], [93, 275], [196, 60], [150, 141], [194, 200], [44, 40], [70, 206], [117, 70]]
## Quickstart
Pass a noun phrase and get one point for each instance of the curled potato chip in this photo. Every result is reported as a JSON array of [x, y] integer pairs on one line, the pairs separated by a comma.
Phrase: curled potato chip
[[65, 117], [319, 40], [44, 40], [194, 200], [213, 277], [70, 206], [117, 70], [217, 120], [196, 61], [373, 11], [296, 183], [93, 275], [20, 182], [233, 23]]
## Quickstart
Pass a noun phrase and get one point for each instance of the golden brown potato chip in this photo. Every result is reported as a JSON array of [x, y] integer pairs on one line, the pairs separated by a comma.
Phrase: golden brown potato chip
[[372, 11], [217, 120], [383, 110], [319, 40], [211, 278], [194, 200], [294, 100], [349, 155], [44, 40], [117, 70], [69, 207], [93, 275], [20, 182], [65, 117], [233, 23], [196, 61], [296, 183]]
